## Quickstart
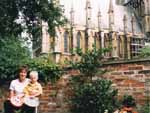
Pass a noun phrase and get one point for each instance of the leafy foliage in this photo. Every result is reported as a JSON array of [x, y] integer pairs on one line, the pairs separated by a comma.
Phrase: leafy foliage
[[145, 108], [13, 53], [19, 15], [94, 97], [8, 15], [145, 52], [128, 101], [47, 70], [91, 96], [90, 61]]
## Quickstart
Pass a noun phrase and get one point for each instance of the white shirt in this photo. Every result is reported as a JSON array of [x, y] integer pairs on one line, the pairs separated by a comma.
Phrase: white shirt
[[18, 86]]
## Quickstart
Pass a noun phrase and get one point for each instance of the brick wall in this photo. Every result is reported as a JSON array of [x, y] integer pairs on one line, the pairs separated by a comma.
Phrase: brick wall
[[130, 78], [127, 77]]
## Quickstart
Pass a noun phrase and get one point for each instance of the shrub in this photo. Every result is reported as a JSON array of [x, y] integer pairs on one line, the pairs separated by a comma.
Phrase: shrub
[[48, 71], [145, 52], [91, 96], [145, 109], [128, 101], [94, 97], [89, 62]]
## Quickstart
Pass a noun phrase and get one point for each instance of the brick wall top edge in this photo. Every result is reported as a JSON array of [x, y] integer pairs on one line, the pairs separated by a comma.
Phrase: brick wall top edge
[[116, 62], [135, 61]]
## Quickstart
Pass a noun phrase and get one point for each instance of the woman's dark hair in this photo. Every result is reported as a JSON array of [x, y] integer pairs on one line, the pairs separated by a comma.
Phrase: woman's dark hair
[[21, 68]]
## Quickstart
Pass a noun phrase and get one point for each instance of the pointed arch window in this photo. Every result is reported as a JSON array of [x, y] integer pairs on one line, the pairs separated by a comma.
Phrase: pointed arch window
[[66, 36], [86, 39], [95, 40], [78, 40], [119, 46]]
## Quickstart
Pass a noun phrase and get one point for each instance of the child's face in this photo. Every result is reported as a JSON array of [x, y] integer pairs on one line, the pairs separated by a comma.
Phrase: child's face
[[33, 78]]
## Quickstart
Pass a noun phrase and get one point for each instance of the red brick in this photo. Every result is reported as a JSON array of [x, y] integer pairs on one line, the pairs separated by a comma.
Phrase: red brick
[[136, 68]]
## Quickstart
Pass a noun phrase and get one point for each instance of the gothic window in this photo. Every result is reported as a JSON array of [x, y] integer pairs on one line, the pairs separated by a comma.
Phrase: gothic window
[[99, 39], [78, 40], [66, 36], [119, 47], [136, 45], [106, 43], [105, 40], [95, 41], [86, 40]]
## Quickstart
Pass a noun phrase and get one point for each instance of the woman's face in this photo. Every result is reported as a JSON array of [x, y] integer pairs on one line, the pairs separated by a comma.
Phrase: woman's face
[[22, 75]]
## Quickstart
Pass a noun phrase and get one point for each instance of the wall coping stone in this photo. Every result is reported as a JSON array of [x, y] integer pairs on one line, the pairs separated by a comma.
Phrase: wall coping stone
[[116, 62], [129, 61]]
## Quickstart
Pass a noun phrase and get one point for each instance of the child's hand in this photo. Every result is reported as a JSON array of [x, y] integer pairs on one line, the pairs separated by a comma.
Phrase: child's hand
[[33, 93]]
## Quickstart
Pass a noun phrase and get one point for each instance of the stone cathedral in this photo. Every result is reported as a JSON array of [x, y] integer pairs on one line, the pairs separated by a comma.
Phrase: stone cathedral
[[123, 25]]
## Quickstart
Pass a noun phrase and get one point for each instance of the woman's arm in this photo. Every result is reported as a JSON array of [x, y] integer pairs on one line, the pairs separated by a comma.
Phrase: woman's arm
[[11, 94]]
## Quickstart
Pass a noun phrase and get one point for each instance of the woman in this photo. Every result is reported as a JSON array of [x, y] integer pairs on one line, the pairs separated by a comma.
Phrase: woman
[[16, 88]]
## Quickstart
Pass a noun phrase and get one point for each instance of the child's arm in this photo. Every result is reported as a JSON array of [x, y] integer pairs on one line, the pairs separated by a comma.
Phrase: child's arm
[[37, 92], [25, 91]]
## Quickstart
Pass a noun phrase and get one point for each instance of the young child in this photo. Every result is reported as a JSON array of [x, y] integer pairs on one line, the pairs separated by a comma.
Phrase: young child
[[33, 89]]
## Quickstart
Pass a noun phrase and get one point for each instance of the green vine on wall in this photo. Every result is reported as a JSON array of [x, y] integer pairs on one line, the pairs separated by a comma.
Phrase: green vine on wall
[[48, 71]]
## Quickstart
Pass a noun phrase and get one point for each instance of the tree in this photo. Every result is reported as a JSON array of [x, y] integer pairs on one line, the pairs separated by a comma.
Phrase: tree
[[19, 15], [8, 15], [13, 53]]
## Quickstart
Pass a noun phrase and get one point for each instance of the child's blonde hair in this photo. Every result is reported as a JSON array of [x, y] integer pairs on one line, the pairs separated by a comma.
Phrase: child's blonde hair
[[34, 73]]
